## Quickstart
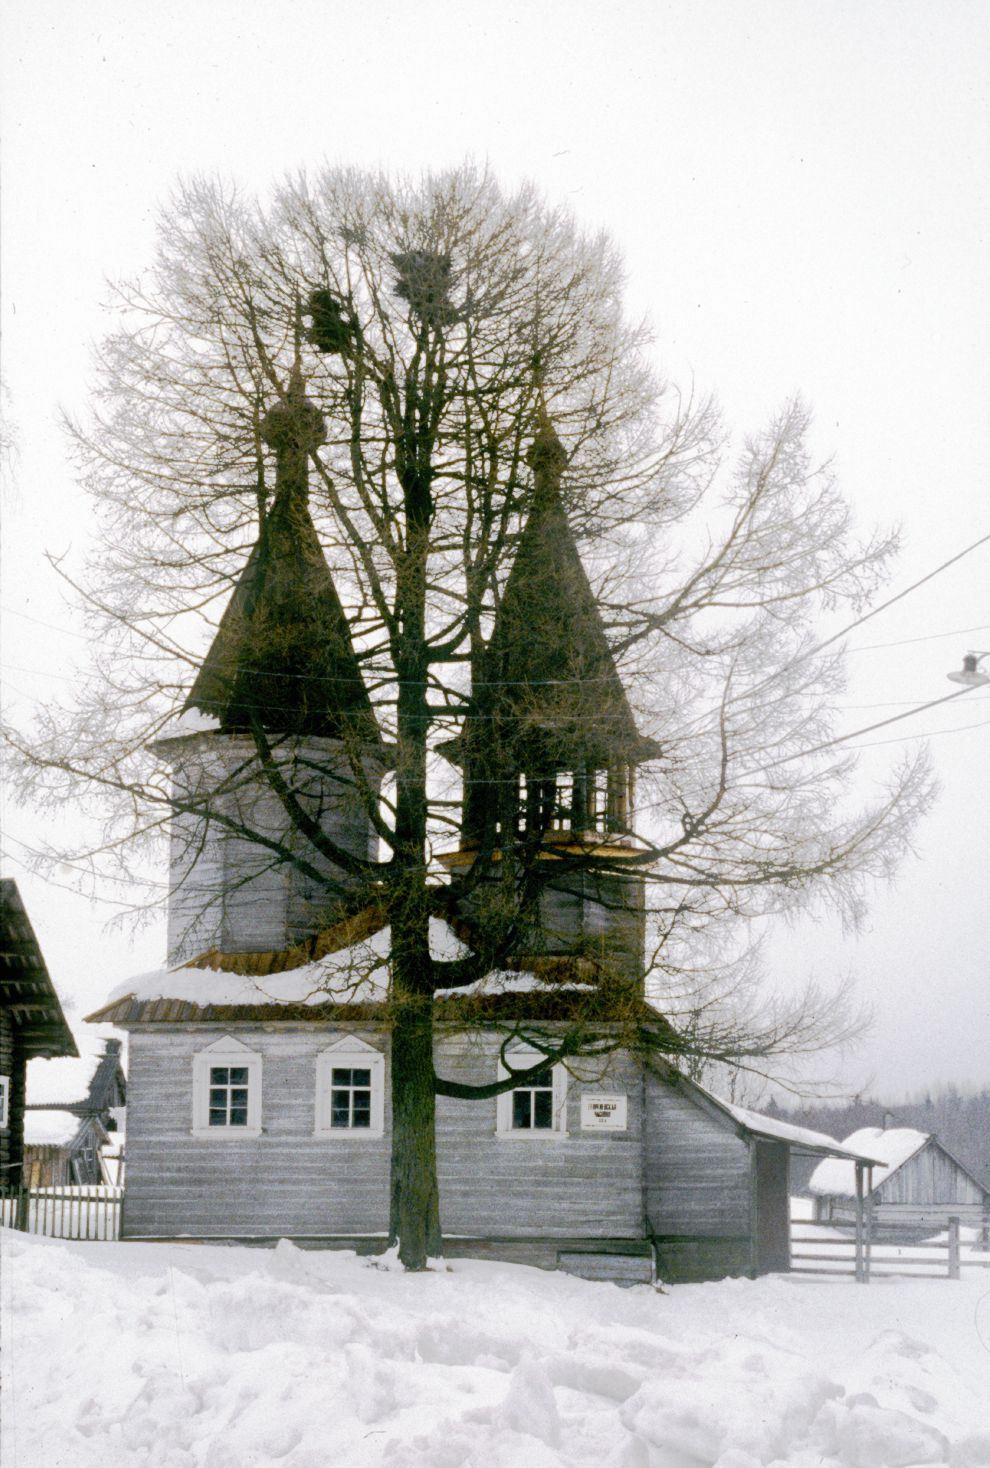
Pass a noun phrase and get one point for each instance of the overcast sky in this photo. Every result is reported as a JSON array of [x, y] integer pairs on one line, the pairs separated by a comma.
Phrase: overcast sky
[[800, 192]]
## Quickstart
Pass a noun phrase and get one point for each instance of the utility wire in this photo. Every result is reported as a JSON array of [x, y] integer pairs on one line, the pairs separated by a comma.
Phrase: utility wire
[[984, 539], [869, 728], [929, 637]]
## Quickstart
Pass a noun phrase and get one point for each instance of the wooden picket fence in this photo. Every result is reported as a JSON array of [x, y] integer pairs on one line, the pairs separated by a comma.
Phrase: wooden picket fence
[[815, 1249], [64, 1212]]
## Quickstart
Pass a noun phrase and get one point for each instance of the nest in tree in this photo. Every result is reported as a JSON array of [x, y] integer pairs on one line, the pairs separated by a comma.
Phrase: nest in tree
[[332, 329], [424, 280]]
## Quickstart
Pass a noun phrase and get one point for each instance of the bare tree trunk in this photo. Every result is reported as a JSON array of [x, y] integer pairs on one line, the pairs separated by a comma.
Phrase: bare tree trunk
[[414, 1221]]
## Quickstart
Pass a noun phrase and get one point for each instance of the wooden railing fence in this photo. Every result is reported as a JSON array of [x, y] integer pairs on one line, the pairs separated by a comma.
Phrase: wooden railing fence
[[64, 1212], [864, 1255]]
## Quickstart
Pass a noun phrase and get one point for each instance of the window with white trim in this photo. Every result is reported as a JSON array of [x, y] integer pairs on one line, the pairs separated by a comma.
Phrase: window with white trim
[[537, 1107], [227, 1090], [4, 1102], [350, 1090]]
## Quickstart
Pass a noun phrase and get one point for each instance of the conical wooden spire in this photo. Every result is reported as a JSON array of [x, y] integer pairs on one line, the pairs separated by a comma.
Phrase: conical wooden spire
[[282, 655], [550, 683]]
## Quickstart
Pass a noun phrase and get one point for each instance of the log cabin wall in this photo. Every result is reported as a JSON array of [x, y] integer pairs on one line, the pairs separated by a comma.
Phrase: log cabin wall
[[12, 1065]]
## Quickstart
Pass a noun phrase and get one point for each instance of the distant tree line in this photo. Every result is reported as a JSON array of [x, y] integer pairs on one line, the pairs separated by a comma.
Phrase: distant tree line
[[960, 1121]]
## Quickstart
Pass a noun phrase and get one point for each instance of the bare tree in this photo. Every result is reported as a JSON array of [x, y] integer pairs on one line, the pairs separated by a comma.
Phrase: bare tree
[[446, 371]]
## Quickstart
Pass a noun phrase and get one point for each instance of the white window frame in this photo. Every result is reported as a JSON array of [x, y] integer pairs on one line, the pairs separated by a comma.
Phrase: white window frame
[[4, 1103], [521, 1059], [349, 1053], [226, 1052]]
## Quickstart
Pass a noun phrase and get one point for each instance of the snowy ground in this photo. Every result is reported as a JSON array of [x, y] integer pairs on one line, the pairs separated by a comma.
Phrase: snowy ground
[[201, 1357]]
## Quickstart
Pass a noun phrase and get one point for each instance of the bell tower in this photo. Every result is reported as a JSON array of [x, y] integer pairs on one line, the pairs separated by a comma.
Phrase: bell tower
[[278, 731], [549, 747]]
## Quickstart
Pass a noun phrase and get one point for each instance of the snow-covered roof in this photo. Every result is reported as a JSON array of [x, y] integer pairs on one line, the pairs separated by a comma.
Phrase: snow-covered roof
[[354, 975], [49, 1128], [892, 1148], [190, 721], [783, 1131], [801, 1138], [64, 1079]]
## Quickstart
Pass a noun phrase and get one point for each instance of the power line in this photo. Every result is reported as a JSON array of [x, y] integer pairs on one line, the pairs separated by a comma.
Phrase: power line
[[930, 637], [882, 724], [928, 734]]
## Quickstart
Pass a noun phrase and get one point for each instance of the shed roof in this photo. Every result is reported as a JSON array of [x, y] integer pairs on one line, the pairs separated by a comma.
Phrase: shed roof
[[26, 988], [797, 1138], [892, 1147], [49, 1128], [86, 1086]]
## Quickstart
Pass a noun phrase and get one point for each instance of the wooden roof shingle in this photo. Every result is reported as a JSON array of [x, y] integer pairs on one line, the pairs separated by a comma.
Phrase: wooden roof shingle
[[26, 990]]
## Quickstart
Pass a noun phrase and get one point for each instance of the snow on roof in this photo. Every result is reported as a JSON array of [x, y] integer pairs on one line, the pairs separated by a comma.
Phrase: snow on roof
[[769, 1126], [49, 1128], [62, 1079], [510, 981], [354, 975], [837, 1178], [191, 721]]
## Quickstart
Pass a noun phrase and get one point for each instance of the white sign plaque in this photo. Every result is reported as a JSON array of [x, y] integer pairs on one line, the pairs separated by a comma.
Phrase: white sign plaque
[[602, 1113]]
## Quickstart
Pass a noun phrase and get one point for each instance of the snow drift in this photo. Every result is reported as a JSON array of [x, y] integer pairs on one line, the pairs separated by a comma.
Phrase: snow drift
[[182, 1356]]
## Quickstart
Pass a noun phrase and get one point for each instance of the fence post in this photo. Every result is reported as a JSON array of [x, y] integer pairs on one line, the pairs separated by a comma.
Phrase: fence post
[[953, 1248], [861, 1275], [22, 1209]]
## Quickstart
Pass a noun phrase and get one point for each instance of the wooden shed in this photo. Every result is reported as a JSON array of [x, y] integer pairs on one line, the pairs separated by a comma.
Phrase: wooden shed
[[91, 1102], [31, 1024], [916, 1188]]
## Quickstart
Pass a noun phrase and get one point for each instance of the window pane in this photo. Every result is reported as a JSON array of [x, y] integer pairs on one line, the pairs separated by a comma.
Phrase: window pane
[[238, 1116], [218, 1117], [219, 1098], [543, 1108], [340, 1116], [543, 1079], [521, 1109], [239, 1097], [361, 1078], [362, 1108], [238, 1075], [218, 1075], [341, 1077]]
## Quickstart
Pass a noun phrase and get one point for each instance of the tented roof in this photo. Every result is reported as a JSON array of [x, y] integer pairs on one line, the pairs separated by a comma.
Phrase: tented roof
[[550, 688], [283, 653]]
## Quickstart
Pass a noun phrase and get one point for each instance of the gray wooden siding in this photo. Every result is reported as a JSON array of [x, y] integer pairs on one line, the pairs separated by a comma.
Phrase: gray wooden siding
[[697, 1168], [234, 894], [586, 1185], [604, 913], [930, 1176], [287, 1181]]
